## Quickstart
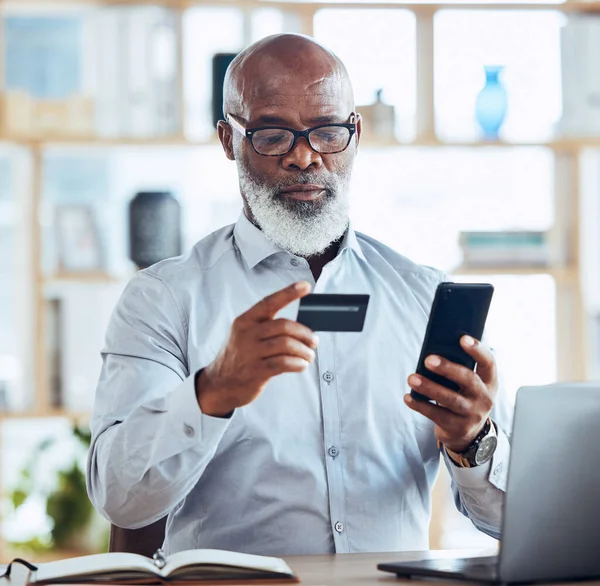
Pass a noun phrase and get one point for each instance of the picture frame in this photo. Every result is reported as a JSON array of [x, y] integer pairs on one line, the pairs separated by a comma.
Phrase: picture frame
[[79, 247]]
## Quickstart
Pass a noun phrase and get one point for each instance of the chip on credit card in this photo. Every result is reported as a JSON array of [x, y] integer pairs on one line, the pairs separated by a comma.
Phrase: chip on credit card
[[333, 312]]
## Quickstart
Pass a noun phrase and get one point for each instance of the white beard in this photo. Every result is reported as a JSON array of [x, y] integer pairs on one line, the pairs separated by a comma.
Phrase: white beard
[[302, 228]]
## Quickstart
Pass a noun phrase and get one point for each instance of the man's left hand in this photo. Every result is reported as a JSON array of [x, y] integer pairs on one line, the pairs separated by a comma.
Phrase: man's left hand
[[458, 416]]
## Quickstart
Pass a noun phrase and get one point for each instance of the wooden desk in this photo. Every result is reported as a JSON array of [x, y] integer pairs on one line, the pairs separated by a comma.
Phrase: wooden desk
[[354, 569], [360, 569]]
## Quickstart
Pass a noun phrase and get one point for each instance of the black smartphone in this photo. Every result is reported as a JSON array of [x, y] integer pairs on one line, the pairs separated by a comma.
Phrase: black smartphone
[[458, 309]]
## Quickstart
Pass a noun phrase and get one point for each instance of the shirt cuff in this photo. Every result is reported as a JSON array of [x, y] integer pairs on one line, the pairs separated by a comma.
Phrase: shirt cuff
[[494, 472], [190, 425]]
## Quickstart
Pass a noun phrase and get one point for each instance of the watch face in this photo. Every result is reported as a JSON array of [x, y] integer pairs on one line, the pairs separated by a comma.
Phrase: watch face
[[486, 449]]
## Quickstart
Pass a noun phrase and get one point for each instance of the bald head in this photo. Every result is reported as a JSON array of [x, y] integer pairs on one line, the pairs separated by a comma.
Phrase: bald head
[[297, 197], [268, 70]]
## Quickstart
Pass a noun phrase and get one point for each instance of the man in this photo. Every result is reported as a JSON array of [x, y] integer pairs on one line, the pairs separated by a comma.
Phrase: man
[[217, 408]]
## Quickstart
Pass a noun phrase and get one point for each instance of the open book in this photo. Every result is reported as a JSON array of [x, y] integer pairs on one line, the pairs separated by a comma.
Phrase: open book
[[191, 565]]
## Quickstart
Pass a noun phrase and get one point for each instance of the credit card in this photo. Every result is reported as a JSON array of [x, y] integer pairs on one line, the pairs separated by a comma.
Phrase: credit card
[[333, 312]]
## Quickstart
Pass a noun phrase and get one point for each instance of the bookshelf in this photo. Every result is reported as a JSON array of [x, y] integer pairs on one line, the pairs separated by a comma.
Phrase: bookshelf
[[570, 311]]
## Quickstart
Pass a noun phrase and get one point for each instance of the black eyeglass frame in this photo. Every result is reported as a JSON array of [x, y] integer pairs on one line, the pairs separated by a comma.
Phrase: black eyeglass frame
[[249, 133]]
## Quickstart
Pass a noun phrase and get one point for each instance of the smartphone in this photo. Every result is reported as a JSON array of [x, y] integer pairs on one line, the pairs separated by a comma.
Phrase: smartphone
[[458, 309]]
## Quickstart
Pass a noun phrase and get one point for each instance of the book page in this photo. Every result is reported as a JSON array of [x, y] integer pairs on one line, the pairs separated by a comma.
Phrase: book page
[[178, 562], [91, 565]]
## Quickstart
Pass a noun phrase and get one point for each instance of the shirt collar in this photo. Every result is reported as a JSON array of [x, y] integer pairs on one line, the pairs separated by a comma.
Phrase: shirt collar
[[350, 242], [256, 247], [252, 243]]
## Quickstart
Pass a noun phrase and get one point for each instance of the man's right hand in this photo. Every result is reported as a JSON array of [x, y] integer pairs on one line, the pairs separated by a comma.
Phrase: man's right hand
[[259, 347]]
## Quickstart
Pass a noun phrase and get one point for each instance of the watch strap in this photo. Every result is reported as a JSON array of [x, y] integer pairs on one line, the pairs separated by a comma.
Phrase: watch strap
[[465, 459]]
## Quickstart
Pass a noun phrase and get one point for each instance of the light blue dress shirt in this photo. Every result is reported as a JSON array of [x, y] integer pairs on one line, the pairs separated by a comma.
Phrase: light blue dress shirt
[[327, 460]]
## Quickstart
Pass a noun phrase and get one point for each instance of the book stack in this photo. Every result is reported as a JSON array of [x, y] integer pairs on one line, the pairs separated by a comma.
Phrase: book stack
[[504, 249], [580, 47]]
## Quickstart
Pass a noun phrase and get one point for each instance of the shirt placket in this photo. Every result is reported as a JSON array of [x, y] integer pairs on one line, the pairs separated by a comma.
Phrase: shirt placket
[[328, 383], [332, 433]]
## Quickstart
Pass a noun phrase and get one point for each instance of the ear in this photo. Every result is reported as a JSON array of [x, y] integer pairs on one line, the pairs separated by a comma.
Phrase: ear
[[358, 128], [226, 137]]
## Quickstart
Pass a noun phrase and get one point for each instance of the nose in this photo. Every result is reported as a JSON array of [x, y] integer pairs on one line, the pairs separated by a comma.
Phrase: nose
[[302, 157]]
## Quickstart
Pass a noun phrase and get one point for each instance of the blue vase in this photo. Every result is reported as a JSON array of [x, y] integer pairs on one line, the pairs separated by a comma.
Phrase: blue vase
[[492, 100]]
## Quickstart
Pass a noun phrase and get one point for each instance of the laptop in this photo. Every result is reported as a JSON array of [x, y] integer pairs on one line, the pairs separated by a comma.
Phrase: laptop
[[551, 517]]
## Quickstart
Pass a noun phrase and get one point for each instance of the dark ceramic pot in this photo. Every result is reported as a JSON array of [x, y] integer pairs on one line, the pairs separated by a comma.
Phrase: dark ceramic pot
[[154, 227]]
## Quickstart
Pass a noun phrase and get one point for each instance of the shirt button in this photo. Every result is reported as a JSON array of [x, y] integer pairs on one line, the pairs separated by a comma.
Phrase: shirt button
[[328, 376], [294, 262], [188, 430], [333, 451], [339, 527], [498, 470]]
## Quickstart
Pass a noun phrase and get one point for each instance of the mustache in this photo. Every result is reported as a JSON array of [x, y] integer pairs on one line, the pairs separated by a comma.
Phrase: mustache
[[329, 185], [304, 178]]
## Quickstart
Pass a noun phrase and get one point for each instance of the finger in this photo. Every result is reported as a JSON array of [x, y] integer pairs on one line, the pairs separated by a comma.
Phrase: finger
[[267, 308], [287, 327], [446, 398], [470, 383], [486, 363], [285, 346], [279, 364], [439, 415]]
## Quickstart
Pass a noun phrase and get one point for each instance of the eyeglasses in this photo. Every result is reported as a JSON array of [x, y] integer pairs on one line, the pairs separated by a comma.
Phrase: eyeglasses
[[274, 141]]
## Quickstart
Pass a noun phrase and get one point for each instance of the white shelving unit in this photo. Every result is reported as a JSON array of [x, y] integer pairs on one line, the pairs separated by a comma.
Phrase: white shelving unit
[[571, 320]]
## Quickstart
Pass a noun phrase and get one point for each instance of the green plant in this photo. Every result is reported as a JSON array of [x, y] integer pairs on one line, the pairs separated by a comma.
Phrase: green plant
[[66, 501]]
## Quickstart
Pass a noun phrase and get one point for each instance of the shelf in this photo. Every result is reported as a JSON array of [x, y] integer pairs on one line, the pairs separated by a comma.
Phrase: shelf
[[559, 273], [417, 6], [421, 7], [74, 415], [565, 144], [101, 141], [568, 145], [559, 144], [91, 277], [478, 144]]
